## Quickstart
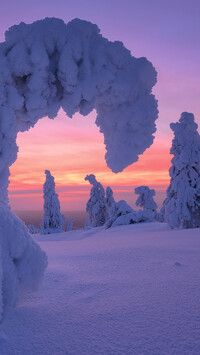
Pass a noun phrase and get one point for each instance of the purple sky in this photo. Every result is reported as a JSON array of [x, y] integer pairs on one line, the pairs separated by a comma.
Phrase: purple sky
[[166, 32]]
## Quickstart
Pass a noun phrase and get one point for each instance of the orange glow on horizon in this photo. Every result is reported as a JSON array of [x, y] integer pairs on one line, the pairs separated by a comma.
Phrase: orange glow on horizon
[[71, 149]]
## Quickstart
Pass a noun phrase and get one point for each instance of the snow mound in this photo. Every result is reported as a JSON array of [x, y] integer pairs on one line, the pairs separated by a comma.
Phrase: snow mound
[[113, 291], [123, 214], [22, 261]]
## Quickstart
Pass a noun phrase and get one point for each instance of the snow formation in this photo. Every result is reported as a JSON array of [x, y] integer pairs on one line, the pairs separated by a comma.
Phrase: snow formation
[[53, 221], [48, 65], [110, 201], [70, 225], [23, 262], [96, 206], [181, 207], [129, 291], [145, 199], [123, 214], [1, 284]]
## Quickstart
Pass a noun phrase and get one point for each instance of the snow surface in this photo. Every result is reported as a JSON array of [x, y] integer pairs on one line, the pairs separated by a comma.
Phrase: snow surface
[[22, 260], [126, 290]]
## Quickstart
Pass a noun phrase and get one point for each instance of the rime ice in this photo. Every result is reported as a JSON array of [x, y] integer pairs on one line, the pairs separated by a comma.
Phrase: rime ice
[[96, 206], [48, 65], [181, 208], [53, 221]]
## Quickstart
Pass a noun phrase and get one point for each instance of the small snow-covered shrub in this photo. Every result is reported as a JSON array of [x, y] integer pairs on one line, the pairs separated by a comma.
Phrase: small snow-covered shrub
[[53, 221], [181, 207], [23, 262], [120, 210], [124, 214], [70, 225], [33, 229], [145, 199], [160, 216], [134, 217], [96, 206]]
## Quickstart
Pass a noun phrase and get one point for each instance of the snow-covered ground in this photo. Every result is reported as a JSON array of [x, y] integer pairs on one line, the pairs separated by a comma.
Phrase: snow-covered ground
[[126, 290]]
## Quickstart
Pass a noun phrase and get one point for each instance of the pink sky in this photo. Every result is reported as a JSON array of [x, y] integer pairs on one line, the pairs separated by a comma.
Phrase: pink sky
[[167, 33], [71, 149]]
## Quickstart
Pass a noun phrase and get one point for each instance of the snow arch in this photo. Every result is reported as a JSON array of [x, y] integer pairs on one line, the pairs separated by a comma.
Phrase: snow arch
[[49, 64]]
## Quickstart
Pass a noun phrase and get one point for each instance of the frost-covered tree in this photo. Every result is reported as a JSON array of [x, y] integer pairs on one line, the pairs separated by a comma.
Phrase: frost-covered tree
[[110, 201], [96, 205], [145, 199], [53, 221], [181, 207], [70, 225], [120, 214], [123, 214], [50, 65]]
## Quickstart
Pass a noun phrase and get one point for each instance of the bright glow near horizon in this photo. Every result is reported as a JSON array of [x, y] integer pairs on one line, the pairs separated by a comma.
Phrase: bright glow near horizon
[[71, 149]]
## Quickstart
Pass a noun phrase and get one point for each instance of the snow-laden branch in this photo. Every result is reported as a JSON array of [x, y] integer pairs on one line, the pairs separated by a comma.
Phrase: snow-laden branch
[[48, 65]]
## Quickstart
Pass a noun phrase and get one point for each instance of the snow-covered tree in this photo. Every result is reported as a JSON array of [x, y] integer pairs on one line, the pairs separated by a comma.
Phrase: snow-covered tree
[[181, 207], [110, 201], [53, 221], [123, 214], [120, 210], [145, 199], [50, 65], [96, 205], [70, 225]]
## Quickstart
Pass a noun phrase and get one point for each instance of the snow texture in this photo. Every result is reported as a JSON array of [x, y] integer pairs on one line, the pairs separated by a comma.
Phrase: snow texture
[[145, 199], [1, 284], [110, 201], [50, 65], [181, 207], [123, 214], [96, 206], [128, 290], [53, 221], [22, 261], [122, 211]]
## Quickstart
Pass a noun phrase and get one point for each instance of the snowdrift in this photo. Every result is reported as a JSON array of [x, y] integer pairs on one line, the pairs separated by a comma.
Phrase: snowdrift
[[22, 261], [125, 290]]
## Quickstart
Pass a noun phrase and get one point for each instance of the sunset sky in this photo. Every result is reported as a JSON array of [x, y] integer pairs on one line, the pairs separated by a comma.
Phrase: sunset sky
[[168, 34]]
